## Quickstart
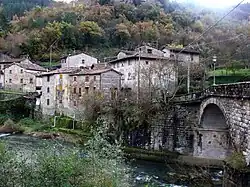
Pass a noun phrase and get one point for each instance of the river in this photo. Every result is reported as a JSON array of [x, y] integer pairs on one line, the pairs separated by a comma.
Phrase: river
[[143, 172]]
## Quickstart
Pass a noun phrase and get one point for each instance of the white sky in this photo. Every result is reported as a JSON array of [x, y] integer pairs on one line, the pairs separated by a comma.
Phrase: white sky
[[216, 3], [207, 3]]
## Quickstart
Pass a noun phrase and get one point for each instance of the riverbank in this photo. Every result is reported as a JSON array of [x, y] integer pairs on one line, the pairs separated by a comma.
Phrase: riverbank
[[172, 158], [79, 137]]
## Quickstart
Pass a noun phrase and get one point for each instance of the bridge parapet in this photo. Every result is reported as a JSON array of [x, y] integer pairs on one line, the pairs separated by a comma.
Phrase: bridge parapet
[[239, 90]]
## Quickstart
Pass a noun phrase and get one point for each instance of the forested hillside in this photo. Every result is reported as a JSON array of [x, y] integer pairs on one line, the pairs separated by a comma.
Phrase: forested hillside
[[18, 7], [102, 30]]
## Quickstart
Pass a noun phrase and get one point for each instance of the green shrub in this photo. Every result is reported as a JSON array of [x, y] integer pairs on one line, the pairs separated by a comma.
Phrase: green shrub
[[34, 125], [3, 118]]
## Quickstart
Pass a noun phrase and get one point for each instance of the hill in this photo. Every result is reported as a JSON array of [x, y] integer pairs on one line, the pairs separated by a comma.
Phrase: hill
[[18, 7], [102, 29]]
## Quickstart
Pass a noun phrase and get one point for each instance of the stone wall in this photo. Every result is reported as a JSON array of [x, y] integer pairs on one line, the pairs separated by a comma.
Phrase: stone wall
[[236, 112], [173, 131]]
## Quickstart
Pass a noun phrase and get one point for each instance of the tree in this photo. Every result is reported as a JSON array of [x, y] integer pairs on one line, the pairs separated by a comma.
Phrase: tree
[[91, 31], [123, 34]]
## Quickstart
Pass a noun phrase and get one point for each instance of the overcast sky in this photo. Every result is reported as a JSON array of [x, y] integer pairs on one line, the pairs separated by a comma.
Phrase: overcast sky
[[208, 3], [215, 3]]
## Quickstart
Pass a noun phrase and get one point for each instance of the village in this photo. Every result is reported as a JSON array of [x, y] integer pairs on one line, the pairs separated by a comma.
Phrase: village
[[63, 90]]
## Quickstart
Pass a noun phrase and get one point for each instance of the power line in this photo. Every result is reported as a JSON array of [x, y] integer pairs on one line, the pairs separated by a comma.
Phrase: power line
[[211, 27], [220, 41]]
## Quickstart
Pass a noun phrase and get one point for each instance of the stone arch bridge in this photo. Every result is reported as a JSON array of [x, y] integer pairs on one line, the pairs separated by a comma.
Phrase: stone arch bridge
[[221, 118]]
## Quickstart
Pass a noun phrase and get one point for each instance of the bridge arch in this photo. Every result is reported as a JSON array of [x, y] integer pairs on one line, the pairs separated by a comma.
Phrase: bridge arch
[[213, 131], [212, 107]]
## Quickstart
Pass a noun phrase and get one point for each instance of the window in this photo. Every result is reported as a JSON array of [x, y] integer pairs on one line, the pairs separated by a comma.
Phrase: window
[[150, 51], [21, 70], [48, 90], [48, 102], [80, 91], [83, 61], [94, 88], [192, 57], [86, 90], [129, 76], [60, 101], [75, 103], [10, 71], [74, 91], [146, 62], [87, 79], [63, 61], [74, 78], [10, 80], [122, 65], [94, 78], [129, 62], [21, 81], [48, 78], [31, 81]]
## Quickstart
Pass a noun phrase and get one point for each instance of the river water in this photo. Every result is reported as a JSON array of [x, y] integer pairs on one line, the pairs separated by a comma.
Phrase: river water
[[143, 172]]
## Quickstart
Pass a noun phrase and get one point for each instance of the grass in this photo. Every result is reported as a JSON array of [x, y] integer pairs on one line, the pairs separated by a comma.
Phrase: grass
[[229, 72]]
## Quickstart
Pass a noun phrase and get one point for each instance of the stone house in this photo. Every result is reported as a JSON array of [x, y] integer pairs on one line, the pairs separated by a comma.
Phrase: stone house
[[79, 60], [65, 90], [55, 90], [22, 76], [5, 61], [146, 67], [182, 56]]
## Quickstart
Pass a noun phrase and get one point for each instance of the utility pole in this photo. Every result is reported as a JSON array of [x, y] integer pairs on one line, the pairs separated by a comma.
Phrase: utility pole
[[188, 76], [138, 76], [50, 56], [214, 63], [50, 51]]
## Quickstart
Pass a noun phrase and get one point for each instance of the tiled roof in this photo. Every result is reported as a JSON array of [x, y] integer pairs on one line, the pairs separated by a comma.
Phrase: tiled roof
[[65, 70], [31, 66], [94, 71], [8, 61], [128, 52], [182, 50], [142, 56]]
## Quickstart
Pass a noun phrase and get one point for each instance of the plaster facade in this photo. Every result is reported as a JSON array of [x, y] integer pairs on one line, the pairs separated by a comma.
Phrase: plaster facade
[[22, 76], [158, 72], [79, 60], [65, 92]]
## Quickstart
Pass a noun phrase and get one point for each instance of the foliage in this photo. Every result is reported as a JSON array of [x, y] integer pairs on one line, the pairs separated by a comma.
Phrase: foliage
[[99, 164], [108, 26], [18, 7], [31, 125], [237, 161]]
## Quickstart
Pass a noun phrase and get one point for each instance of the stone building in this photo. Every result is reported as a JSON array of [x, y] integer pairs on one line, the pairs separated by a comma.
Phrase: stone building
[[182, 56], [5, 61], [22, 76], [79, 60], [146, 67], [66, 90]]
